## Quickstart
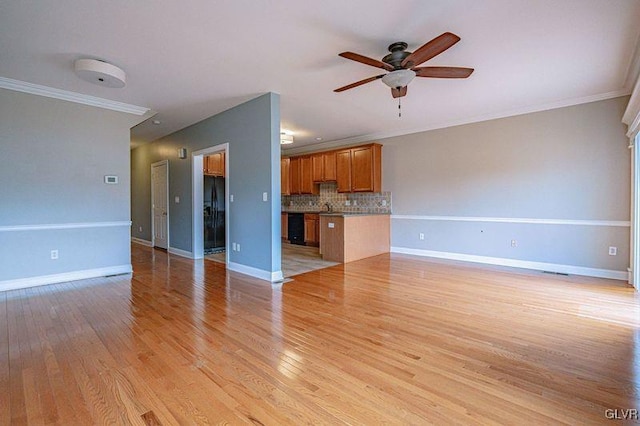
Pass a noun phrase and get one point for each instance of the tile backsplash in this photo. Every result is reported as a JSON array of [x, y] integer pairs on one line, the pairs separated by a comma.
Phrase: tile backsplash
[[361, 202]]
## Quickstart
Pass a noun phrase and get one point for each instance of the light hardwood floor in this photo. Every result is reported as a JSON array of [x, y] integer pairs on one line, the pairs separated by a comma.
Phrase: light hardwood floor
[[391, 339]]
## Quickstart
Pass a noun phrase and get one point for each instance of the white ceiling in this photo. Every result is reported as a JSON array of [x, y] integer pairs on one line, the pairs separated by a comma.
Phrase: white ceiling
[[189, 60]]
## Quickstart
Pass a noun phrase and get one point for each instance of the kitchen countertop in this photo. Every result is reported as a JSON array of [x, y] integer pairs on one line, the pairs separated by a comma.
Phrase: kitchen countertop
[[344, 214], [337, 214]]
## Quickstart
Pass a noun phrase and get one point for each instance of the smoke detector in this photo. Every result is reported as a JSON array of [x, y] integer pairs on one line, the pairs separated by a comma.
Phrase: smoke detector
[[100, 72]]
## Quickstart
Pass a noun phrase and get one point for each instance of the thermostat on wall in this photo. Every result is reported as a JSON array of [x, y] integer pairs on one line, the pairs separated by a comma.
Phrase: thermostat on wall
[[111, 180]]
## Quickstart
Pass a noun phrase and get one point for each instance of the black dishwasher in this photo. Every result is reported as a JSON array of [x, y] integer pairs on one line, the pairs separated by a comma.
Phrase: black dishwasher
[[296, 228]]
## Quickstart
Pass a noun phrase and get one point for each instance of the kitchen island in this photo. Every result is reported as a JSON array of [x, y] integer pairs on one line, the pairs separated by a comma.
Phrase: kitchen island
[[345, 237]]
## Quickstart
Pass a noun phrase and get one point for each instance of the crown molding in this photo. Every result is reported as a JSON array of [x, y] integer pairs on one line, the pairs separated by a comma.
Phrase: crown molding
[[65, 95], [477, 119], [633, 69], [631, 115]]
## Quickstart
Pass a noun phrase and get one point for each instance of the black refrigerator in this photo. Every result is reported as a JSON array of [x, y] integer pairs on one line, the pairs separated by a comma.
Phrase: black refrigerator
[[214, 206]]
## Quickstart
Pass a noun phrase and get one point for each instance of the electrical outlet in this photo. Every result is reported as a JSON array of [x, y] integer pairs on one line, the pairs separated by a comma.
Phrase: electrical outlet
[[265, 196], [514, 243], [54, 254], [613, 251], [347, 203], [231, 198], [233, 246], [177, 199], [384, 203], [238, 246], [421, 236], [355, 202], [140, 229]]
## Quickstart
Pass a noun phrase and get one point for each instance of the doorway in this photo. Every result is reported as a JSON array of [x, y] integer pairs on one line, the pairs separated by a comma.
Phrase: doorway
[[214, 203], [160, 204], [204, 236]]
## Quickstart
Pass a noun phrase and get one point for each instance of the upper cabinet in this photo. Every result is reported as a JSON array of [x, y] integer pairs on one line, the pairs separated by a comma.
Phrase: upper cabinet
[[301, 176], [306, 176], [343, 170], [356, 169], [324, 167], [214, 164], [359, 169], [294, 175], [285, 179]]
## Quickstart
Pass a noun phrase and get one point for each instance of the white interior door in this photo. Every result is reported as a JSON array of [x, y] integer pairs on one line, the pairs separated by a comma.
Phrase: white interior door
[[160, 203]]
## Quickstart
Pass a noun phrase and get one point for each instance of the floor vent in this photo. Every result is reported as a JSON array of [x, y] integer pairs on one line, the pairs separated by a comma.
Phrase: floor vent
[[555, 273]]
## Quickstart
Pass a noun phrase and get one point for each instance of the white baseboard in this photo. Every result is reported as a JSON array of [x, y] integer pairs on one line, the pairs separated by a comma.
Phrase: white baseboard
[[181, 253], [16, 284], [255, 272], [141, 242], [515, 263]]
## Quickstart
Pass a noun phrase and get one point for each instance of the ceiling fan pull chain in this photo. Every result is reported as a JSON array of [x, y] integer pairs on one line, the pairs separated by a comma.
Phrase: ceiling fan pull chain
[[399, 109]]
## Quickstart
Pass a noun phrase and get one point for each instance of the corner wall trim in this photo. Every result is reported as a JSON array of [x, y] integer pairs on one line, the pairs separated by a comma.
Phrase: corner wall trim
[[181, 253], [619, 223], [140, 241], [64, 277], [64, 226], [515, 263], [255, 272], [65, 95]]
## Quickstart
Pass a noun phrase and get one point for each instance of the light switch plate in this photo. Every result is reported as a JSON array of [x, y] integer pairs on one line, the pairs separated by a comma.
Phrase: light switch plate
[[332, 225]]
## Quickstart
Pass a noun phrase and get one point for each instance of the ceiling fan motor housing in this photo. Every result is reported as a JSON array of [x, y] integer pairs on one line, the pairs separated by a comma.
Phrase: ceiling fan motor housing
[[397, 55]]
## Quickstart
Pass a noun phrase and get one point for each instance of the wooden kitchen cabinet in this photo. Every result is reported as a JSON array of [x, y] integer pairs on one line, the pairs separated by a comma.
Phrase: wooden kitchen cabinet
[[306, 176], [312, 229], [301, 176], [343, 170], [285, 179], [214, 164], [294, 175], [359, 169], [324, 167], [284, 226]]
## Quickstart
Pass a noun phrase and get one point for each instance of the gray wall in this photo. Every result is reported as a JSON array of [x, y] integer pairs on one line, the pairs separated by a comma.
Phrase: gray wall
[[54, 156], [252, 132], [569, 163]]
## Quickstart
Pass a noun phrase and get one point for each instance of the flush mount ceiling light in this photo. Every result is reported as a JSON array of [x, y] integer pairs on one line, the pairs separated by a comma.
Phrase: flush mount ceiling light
[[100, 72], [285, 139]]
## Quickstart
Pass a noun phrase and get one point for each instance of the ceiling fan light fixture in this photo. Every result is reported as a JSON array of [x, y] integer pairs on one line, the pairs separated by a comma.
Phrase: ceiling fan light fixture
[[398, 78]]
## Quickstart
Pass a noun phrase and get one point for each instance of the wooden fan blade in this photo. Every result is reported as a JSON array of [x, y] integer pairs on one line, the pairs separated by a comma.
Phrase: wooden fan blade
[[430, 49], [368, 61], [443, 72], [398, 93], [359, 83]]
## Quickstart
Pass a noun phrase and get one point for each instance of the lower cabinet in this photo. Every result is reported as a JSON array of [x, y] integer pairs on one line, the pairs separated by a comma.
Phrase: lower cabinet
[[312, 229]]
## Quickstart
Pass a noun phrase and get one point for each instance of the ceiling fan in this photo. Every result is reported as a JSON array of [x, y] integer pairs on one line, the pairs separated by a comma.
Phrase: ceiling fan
[[403, 65]]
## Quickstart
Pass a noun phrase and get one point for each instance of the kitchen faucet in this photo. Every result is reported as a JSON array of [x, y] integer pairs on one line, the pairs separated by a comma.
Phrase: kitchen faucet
[[329, 209]]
